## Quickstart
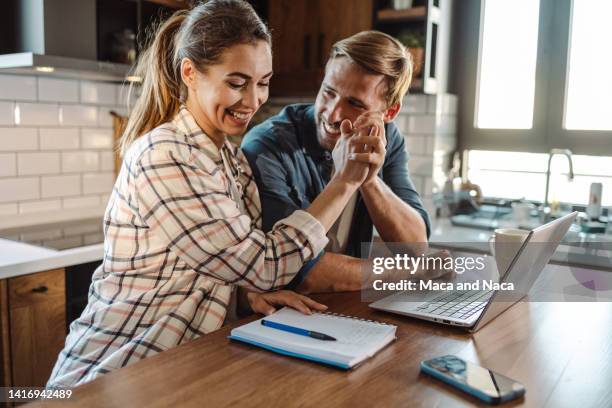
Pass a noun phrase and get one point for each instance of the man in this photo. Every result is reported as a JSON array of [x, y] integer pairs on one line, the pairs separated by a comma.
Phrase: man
[[366, 77]]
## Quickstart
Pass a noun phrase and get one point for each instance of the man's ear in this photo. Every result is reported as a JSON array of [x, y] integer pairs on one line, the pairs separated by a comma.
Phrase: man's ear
[[391, 112], [188, 73]]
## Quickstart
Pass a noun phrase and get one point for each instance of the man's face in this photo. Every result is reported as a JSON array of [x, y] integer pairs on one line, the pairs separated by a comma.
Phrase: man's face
[[347, 91]]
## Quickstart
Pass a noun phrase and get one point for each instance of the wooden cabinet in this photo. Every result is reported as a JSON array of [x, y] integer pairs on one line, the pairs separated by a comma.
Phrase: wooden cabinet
[[431, 21], [33, 319], [303, 32]]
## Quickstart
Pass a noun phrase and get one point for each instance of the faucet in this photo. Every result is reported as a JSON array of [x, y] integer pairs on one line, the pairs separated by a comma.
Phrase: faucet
[[567, 153]]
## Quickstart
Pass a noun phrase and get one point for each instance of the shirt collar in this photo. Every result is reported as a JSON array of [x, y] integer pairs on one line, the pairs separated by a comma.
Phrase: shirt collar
[[187, 124]]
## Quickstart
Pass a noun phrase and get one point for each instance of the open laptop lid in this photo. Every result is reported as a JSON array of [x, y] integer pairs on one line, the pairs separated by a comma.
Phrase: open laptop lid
[[526, 266]]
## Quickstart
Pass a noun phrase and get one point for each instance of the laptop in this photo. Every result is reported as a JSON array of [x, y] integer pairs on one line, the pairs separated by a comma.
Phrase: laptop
[[472, 310]]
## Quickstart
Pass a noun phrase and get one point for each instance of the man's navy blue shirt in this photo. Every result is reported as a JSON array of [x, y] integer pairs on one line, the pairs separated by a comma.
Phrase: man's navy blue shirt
[[291, 169]]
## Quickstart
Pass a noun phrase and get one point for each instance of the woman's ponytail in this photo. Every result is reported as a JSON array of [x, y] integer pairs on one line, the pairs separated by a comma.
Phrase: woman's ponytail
[[161, 88]]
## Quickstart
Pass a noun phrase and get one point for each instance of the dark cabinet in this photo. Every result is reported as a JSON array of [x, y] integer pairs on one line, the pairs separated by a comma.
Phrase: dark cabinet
[[303, 32]]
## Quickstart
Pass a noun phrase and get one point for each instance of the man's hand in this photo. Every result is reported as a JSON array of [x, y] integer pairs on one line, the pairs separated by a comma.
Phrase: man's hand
[[264, 302], [347, 170], [370, 143]]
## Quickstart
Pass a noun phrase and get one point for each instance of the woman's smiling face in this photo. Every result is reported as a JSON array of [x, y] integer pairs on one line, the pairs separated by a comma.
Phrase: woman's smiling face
[[224, 98]]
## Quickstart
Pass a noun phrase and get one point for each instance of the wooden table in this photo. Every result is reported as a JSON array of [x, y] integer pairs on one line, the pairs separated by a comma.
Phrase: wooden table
[[561, 352]]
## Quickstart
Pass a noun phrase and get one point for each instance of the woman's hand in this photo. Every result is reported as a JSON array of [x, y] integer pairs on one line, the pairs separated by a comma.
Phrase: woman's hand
[[264, 302], [348, 171]]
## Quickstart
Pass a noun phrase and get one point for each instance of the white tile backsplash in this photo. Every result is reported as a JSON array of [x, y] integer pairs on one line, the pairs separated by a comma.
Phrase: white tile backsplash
[[97, 138], [107, 161], [416, 144], [18, 87], [8, 164], [105, 119], [428, 123], [39, 206], [81, 161], [8, 209], [32, 163], [58, 90], [37, 114], [60, 186], [420, 165], [18, 189], [420, 124], [7, 113], [56, 147], [414, 104], [81, 202], [98, 183], [18, 139], [78, 115], [59, 138], [98, 93], [123, 91]]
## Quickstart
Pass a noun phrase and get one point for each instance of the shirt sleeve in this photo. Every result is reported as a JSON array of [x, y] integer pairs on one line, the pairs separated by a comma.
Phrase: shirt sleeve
[[189, 208], [275, 191], [396, 175]]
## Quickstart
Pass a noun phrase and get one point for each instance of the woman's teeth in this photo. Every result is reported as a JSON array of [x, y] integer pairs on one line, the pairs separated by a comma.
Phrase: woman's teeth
[[239, 115]]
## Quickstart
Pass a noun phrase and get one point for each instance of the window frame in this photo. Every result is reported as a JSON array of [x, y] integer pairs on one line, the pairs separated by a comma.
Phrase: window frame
[[552, 64]]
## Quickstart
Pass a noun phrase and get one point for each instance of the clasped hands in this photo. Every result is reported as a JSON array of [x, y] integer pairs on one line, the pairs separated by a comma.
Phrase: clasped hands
[[360, 151]]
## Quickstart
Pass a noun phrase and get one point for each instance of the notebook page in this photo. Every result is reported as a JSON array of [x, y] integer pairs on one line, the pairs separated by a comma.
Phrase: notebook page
[[356, 339], [347, 331]]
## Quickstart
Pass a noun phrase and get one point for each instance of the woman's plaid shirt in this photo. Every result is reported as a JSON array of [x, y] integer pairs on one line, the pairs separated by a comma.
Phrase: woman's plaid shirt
[[175, 246]]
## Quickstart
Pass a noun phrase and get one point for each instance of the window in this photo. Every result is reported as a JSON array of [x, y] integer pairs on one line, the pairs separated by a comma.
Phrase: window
[[535, 76], [507, 64], [589, 79], [517, 175]]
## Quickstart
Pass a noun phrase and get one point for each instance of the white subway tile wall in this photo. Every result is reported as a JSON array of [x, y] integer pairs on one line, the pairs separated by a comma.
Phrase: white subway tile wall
[[8, 164], [429, 126], [18, 139], [41, 163], [57, 90], [56, 144], [37, 114], [18, 87], [59, 138], [79, 115], [7, 113], [60, 186]]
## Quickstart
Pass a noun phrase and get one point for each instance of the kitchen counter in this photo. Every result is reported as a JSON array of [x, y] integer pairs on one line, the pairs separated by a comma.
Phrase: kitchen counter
[[577, 249], [17, 258]]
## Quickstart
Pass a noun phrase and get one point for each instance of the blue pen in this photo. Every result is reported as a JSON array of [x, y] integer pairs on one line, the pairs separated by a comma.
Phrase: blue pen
[[297, 330]]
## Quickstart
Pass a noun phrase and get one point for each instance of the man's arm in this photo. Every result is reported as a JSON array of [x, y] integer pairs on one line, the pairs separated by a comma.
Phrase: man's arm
[[392, 202], [394, 219], [333, 273]]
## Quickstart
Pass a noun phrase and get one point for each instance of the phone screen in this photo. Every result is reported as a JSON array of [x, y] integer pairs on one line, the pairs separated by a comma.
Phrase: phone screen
[[476, 377]]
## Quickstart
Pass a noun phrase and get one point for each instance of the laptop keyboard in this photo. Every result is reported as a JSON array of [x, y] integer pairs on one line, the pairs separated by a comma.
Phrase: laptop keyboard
[[457, 304]]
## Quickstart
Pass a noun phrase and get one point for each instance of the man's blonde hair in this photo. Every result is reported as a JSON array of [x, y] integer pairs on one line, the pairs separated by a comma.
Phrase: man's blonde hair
[[381, 54]]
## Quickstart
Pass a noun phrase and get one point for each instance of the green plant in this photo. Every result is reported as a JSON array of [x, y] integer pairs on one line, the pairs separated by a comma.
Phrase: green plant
[[411, 39]]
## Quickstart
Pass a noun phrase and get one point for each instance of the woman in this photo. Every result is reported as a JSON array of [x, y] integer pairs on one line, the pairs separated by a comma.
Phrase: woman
[[182, 227]]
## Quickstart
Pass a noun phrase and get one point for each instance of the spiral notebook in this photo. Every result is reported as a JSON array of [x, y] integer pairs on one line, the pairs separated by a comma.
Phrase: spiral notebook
[[356, 339]]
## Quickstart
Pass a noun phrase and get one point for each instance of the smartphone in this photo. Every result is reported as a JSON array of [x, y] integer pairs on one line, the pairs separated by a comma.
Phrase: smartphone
[[482, 383]]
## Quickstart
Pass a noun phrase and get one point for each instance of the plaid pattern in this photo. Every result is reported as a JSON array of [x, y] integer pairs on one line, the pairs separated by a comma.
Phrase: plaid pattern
[[175, 246]]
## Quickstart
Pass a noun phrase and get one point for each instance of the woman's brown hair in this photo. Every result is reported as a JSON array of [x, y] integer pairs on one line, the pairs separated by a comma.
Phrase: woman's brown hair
[[200, 34]]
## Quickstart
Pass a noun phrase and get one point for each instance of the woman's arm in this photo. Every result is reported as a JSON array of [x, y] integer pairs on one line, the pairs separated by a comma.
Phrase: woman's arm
[[188, 208]]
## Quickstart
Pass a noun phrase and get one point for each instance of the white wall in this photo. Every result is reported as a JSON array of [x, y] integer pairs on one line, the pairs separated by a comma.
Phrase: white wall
[[56, 147]]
